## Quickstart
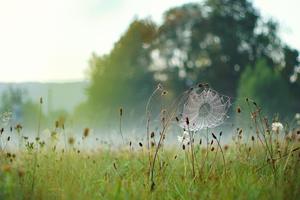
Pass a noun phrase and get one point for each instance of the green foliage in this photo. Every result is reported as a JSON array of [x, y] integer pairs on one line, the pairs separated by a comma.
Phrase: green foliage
[[11, 97], [23, 111], [216, 40], [30, 114], [124, 175], [265, 85], [209, 42], [122, 77]]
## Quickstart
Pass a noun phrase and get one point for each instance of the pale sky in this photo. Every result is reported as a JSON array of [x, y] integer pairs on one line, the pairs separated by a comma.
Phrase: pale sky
[[52, 40]]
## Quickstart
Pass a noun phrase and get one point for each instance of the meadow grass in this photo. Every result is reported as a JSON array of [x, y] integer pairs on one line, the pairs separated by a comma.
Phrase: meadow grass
[[261, 164], [124, 174]]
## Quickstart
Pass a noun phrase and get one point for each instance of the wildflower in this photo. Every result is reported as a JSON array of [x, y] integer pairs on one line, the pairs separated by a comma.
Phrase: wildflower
[[277, 126], [184, 139]]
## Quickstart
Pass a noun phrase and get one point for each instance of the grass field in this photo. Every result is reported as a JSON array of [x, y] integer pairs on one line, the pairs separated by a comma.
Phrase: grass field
[[245, 172], [260, 163]]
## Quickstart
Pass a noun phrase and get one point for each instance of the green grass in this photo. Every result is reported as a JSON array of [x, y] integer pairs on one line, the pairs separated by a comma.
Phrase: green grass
[[124, 174]]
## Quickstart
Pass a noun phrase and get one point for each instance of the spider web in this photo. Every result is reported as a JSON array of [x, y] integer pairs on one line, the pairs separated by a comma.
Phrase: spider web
[[204, 108]]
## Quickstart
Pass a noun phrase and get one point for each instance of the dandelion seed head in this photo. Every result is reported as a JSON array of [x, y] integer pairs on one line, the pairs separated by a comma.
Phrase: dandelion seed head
[[277, 126], [205, 108]]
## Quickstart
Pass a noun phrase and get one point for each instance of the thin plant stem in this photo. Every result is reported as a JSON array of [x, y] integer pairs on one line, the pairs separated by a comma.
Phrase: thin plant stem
[[37, 149]]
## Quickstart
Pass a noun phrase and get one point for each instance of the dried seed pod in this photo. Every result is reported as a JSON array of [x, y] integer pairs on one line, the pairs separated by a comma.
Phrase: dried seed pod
[[56, 124], [71, 140], [214, 136], [226, 147], [86, 132], [152, 134], [121, 111], [241, 131], [187, 121], [115, 166]]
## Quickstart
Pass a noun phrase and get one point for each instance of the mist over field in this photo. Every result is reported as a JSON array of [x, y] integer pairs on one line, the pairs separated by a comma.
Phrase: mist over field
[[149, 100]]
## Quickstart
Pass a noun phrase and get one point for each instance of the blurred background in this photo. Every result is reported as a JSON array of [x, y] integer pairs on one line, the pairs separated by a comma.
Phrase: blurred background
[[88, 58]]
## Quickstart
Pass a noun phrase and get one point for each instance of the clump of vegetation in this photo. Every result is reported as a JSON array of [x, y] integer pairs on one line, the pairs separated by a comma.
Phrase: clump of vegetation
[[259, 163]]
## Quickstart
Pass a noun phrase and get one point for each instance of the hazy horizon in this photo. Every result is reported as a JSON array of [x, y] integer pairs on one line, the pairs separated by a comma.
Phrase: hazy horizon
[[57, 45]]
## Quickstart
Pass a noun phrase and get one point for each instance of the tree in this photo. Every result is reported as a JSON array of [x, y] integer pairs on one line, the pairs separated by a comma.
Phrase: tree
[[122, 78], [23, 110], [267, 88], [214, 42], [210, 42]]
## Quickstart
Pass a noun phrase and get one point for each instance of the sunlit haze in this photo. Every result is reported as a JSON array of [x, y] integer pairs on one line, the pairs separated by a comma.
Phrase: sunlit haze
[[52, 40]]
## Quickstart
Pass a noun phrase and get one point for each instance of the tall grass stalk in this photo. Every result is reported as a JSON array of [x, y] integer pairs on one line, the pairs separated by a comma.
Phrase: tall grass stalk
[[36, 149]]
